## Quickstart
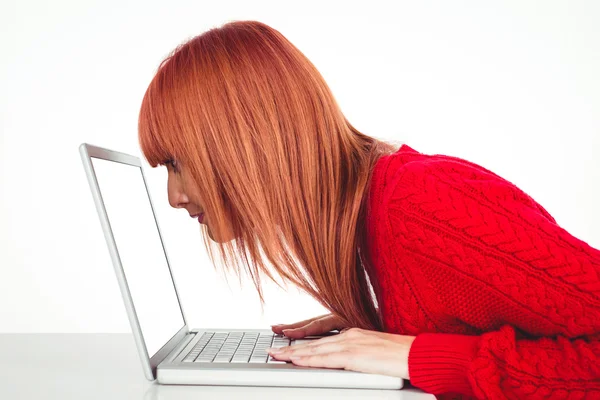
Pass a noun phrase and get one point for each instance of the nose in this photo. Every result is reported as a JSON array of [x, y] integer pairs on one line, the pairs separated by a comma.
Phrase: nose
[[177, 198], [180, 200]]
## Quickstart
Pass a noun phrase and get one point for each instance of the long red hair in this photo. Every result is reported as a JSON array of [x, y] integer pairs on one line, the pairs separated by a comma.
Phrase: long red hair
[[264, 138]]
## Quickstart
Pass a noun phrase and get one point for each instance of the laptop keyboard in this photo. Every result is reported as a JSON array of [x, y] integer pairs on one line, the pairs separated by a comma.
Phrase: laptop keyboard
[[238, 347]]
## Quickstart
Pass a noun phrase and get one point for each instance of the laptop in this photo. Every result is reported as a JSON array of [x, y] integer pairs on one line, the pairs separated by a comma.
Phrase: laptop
[[170, 352]]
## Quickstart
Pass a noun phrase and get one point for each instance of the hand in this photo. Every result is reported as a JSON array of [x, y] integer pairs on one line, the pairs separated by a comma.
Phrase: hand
[[353, 350], [313, 326]]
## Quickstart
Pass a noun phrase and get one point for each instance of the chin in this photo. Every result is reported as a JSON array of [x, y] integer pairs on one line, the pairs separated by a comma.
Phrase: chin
[[220, 239]]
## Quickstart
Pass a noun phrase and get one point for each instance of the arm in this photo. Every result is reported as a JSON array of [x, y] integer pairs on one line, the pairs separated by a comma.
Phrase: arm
[[498, 365], [504, 267]]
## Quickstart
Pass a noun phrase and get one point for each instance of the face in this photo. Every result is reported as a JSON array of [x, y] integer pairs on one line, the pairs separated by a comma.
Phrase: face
[[183, 194]]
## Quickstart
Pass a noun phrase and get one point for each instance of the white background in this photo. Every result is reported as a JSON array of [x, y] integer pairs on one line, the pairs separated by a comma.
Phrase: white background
[[511, 85]]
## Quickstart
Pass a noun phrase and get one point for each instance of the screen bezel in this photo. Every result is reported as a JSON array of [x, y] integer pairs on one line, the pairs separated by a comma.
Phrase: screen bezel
[[149, 364]]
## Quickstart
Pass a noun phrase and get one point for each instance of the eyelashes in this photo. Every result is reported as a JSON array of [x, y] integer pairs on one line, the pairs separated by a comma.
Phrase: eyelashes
[[173, 165]]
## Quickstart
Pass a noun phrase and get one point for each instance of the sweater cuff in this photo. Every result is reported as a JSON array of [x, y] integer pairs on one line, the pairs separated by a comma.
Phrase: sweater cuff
[[439, 362]]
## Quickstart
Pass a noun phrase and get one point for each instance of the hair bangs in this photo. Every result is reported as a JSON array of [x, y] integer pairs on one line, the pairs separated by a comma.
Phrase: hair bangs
[[157, 120]]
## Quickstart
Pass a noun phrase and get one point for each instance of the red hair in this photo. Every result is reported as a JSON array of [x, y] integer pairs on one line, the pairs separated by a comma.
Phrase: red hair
[[264, 138]]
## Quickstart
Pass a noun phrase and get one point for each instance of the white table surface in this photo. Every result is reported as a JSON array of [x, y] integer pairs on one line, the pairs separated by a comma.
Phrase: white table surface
[[106, 366]]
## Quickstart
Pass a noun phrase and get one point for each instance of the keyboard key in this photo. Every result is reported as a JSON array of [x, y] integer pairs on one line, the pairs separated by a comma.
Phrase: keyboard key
[[261, 360], [261, 357]]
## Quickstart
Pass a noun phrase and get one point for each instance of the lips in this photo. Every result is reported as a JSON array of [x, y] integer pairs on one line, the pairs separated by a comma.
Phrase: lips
[[199, 216]]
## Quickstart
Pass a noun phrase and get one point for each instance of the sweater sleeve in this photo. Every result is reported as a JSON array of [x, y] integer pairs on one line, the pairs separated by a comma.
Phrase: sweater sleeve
[[501, 265]]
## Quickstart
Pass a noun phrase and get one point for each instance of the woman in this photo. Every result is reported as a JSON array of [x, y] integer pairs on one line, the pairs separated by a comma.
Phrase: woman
[[479, 292]]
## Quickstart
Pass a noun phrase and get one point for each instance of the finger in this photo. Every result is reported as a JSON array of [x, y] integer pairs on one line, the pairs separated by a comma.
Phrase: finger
[[280, 327], [310, 350], [334, 360], [317, 342], [315, 327]]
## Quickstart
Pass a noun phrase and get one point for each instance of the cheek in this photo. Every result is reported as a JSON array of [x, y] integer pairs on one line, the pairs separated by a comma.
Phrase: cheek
[[191, 191], [173, 185]]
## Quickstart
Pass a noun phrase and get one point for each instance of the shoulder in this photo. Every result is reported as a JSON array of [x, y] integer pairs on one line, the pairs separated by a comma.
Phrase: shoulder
[[413, 186], [409, 171], [436, 187]]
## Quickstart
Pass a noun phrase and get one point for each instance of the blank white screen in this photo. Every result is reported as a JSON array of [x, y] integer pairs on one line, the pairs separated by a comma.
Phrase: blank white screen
[[140, 249]]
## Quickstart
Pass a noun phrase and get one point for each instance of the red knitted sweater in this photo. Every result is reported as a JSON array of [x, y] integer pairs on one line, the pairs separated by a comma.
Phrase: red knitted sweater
[[504, 303]]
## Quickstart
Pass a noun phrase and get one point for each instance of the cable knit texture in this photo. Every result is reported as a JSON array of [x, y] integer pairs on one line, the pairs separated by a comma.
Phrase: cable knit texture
[[504, 303]]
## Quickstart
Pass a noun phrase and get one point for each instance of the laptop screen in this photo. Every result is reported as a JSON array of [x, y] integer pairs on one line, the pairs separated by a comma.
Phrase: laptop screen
[[141, 251]]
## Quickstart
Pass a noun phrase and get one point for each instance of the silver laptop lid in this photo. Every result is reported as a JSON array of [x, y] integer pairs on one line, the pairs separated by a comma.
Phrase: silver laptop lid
[[137, 251]]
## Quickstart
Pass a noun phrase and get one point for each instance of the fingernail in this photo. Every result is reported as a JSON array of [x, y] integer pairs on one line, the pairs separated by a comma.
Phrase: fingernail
[[273, 351]]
